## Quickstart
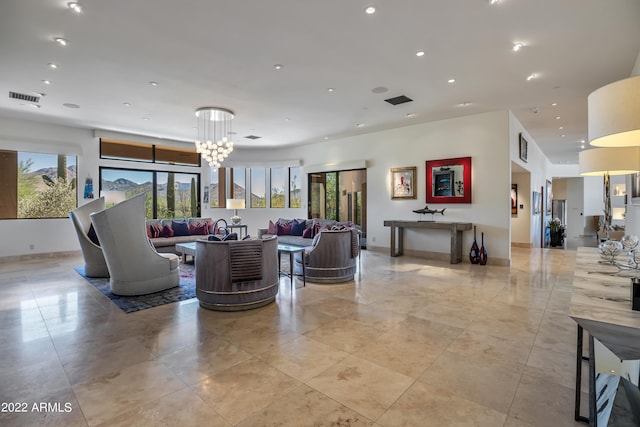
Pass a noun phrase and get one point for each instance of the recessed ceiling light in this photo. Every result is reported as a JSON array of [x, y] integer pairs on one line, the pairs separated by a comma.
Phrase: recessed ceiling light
[[326, 137], [370, 10], [409, 115], [554, 104], [531, 76], [41, 94], [563, 135], [287, 119], [47, 82], [70, 105], [330, 89], [145, 118], [153, 83], [75, 6], [451, 81], [420, 53], [581, 141], [359, 125], [464, 104], [126, 104], [379, 89], [557, 117], [278, 66], [52, 65], [517, 46], [36, 105], [494, 1], [582, 146], [561, 127], [61, 41]]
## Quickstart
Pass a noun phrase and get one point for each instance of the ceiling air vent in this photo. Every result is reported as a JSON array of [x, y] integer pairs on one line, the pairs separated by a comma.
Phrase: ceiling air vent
[[253, 137], [24, 97], [398, 100]]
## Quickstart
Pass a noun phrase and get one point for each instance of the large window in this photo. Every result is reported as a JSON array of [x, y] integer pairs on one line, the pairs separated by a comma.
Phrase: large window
[[168, 194], [277, 183], [295, 187], [258, 188], [238, 183], [37, 185], [217, 189]]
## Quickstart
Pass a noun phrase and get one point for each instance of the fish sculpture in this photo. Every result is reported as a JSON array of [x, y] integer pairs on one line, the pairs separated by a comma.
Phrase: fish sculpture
[[426, 210]]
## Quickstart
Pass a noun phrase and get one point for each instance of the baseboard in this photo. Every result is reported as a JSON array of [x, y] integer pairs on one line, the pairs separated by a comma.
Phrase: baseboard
[[438, 256], [521, 245], [44, 255]]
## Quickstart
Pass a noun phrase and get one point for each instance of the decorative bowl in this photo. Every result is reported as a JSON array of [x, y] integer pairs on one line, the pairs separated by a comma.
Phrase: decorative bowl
[[629, 242], [609, 249]]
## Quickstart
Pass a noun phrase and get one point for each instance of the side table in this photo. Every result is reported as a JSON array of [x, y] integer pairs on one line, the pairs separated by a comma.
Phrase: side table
[[241, 227], [291, 250]]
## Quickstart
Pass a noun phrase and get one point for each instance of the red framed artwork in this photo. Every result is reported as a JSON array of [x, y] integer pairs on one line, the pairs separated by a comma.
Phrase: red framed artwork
[[449, 180]]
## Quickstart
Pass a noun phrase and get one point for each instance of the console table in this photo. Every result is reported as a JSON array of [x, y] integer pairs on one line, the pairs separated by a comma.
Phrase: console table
[[456, 229], [600, 304]]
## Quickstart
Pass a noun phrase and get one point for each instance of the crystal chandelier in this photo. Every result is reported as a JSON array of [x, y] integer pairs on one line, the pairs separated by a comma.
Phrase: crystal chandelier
[[214, 134]]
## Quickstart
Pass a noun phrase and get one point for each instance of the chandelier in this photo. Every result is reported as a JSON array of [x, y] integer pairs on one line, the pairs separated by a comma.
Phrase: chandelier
[[214, 134]]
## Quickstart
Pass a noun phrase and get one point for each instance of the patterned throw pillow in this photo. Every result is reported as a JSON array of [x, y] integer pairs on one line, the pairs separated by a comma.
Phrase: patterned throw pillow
[[283, 230], [308, 233], [167, 231], [272, 229], [201, 229], [156, 230]]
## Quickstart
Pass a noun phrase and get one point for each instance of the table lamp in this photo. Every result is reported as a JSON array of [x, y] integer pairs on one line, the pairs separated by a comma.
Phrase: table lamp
[[235, 204]]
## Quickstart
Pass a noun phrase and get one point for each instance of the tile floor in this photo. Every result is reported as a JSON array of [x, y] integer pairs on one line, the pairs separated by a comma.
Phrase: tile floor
[[411, 343]]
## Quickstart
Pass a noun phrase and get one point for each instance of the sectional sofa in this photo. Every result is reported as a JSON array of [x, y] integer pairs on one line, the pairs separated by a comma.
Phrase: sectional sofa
[[165, 233]]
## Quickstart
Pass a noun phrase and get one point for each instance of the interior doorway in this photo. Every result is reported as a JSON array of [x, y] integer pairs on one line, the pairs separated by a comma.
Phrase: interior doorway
[[339, 195]]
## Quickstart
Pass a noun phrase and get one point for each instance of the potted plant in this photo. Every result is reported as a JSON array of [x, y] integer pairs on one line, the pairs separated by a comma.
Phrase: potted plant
[[557, 229]]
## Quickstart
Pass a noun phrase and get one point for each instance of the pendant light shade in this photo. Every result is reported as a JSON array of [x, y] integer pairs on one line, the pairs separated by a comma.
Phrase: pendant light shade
[[614, 114], [610, 160]]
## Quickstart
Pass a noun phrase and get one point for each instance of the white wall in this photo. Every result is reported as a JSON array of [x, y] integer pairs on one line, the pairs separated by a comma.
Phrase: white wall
[[538, 167], [576, 220], [490, 139]]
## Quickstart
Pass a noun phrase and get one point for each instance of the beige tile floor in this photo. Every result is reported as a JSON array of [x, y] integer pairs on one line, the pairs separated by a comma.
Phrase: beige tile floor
[[410, 343]]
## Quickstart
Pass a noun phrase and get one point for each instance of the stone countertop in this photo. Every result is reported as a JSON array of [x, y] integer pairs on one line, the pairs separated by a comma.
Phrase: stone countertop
[[601, 304]]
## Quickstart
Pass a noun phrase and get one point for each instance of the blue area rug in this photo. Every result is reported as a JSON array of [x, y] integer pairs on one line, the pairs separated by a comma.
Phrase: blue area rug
[[186, 290]]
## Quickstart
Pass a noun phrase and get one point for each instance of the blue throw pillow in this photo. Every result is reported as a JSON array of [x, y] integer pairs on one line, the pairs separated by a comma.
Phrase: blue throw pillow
[[297, 228], [180, 228]]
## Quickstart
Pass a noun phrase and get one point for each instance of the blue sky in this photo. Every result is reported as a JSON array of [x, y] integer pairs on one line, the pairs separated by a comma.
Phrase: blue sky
[[41, 160]]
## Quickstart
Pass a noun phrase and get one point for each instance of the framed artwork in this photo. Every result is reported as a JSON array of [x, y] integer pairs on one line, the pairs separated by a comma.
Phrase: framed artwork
[[548, 199], [449, 180], [514, 199], [537, 202], [403, 183], [205, 196], [524, 147]]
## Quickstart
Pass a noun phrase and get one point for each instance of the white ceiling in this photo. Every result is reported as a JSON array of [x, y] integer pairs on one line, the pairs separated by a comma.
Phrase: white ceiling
[[222, 53]]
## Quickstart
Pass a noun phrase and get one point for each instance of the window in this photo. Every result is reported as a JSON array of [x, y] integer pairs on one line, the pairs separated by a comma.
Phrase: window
[[37, 185], [238, 183], [277, 187], [295, 187], [168, 194], [124, 150], [258, 188], [218, 189]]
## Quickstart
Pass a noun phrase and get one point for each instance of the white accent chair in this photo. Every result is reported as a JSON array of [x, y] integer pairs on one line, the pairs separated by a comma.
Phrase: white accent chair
[[94, 263], [135, 266]]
